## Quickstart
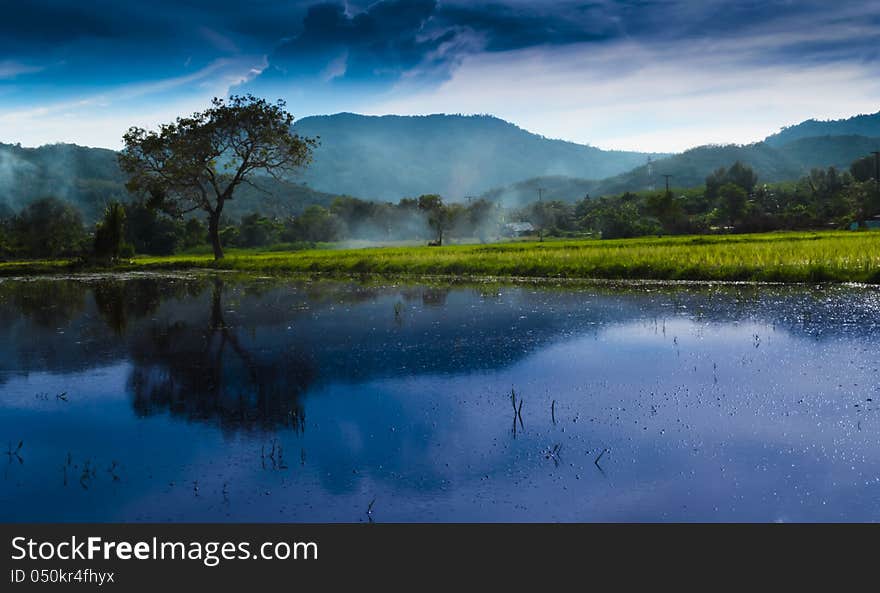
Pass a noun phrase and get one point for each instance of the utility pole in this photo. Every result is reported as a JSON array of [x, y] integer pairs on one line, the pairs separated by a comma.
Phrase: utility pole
[[667, 181], [876, 154], [541, 191]]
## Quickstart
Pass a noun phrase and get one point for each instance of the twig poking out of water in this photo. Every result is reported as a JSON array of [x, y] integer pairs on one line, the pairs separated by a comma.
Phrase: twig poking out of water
[[515, 413], [519, 414], [553, 453], [112, 470], [553, 411], [370, 510], [276, 455], [16, 453], [281, 464], [62, 396], [302, 456], [196, 487], [599, 458], [86, 476], [225, 492]]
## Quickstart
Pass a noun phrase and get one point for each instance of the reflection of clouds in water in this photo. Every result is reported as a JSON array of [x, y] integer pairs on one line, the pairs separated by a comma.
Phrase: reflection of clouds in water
[[40, 390], [732, 403]]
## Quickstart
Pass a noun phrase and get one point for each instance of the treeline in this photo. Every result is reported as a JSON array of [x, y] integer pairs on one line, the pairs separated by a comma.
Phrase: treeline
[[732, 200], [51, 228]]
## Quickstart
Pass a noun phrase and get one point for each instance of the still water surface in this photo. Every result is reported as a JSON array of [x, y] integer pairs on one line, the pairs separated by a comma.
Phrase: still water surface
[[203, 398]]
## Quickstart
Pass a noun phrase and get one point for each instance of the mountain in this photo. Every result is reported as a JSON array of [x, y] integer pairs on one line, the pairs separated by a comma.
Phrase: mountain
[[390, 157], [772, 164], [859, 125], [86, 177], [90, 179]]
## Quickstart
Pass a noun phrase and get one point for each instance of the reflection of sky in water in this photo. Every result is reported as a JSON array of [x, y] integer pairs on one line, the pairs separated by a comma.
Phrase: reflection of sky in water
[[712, 404]]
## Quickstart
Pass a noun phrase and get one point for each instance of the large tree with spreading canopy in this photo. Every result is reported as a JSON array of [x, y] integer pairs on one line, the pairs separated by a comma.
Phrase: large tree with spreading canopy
[[197, 162]]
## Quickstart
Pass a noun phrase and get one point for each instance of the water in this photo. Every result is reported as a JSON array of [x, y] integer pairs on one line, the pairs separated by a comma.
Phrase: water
[[201, 398]]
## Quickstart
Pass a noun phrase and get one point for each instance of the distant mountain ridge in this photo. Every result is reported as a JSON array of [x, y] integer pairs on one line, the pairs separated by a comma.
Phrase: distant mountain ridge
[[858, 125], [90, 179], [690, 168], [389, 157]]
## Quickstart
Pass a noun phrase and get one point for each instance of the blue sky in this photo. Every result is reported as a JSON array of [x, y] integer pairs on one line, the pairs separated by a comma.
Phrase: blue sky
[[643, 74]]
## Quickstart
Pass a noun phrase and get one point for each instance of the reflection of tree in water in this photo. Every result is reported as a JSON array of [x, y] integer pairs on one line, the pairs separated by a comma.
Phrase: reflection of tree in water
[[203, 371], [48, 303], [430, 296], [118, 301]]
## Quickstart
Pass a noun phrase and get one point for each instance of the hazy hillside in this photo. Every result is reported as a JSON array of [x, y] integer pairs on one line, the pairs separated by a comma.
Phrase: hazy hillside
[[90, 179], [690, 168], [390, 157], [859, 125]]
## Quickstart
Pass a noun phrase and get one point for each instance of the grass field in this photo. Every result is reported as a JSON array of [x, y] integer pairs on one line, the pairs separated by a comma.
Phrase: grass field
[[832, 256]]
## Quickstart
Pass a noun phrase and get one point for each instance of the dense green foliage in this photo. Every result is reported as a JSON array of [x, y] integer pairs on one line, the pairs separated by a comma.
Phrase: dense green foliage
[[110, 243], [197, 163], [733, 200], [46, 228]]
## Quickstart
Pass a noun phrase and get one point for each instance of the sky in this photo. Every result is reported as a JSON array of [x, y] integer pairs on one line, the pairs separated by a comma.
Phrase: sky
[[653, 75]]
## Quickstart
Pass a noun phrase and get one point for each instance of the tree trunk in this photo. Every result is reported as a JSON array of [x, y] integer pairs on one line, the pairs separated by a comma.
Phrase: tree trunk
[[217, 305], [214, 233]]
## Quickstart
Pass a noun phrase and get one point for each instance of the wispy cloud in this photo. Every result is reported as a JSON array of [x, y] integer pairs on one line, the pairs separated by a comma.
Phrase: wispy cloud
[[100, 119], [665, 94], [652, 74], [10, 69]]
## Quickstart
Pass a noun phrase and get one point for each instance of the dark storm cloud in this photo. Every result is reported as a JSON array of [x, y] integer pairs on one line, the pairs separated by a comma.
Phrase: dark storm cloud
[[507, 27], [389, 37], [383, 40], [390, 33]]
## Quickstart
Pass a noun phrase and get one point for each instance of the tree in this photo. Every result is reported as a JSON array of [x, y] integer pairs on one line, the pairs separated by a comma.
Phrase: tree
[[743, 176], [732, 199], [440, 217], [48, 227], [863, 169], [739, 174], [666, 209], [110, 233], [193, 233], [149, 231], [197, 162], [314, 224], [256, 230]]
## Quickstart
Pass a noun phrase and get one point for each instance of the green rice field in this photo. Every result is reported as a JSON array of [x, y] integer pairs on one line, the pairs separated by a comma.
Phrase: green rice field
[[826, 256]]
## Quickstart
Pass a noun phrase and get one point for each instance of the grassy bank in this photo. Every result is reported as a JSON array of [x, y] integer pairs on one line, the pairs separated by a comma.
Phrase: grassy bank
[[776, 257]]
